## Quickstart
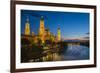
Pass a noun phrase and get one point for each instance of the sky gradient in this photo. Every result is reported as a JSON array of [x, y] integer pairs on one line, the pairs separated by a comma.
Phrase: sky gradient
[[71, 24]]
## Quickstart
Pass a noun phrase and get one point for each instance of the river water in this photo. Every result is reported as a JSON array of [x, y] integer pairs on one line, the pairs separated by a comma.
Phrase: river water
[[76, 52], [71, 52]]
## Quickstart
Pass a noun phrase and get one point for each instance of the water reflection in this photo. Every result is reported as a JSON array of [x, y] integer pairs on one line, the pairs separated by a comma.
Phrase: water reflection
[[52, 57], [71, 52], [76, 52]]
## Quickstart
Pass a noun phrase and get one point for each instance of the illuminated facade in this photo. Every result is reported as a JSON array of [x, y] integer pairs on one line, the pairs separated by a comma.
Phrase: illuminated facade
[[59, 34], [42, 30], [27, 27], [44, 34]]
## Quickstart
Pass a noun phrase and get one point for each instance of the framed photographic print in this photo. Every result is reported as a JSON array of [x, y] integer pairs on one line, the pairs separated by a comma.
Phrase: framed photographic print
[[51, 36]]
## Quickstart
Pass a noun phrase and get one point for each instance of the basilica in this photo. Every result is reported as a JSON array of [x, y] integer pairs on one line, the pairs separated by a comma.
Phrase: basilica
[[43, 35]]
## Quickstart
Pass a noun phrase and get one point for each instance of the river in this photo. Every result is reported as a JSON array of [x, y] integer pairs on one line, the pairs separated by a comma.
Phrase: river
[[71, 52], [76, 52]]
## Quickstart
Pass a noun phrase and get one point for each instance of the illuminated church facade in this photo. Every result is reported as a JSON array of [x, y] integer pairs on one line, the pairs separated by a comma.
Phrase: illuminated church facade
[[43, 35]]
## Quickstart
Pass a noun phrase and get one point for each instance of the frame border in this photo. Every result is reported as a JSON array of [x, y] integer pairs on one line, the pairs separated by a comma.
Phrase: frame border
[[13, 37]]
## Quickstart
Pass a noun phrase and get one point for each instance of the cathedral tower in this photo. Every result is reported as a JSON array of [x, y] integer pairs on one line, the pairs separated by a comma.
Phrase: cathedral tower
[[27, 27], [59, 35], [42, 29]]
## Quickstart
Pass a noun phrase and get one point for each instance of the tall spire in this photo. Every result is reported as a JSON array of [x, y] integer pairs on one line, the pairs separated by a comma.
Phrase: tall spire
[[42, 18], [27, 27], [58, 34], [42, 29], [27, 20]]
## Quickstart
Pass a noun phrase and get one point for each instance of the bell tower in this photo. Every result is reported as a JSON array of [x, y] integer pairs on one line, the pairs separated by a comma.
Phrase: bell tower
[[27, 27], [58, 34], [42, 29]]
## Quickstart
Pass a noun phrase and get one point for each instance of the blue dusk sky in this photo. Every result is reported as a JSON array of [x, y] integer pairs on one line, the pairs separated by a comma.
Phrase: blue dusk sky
[[71, 24]]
